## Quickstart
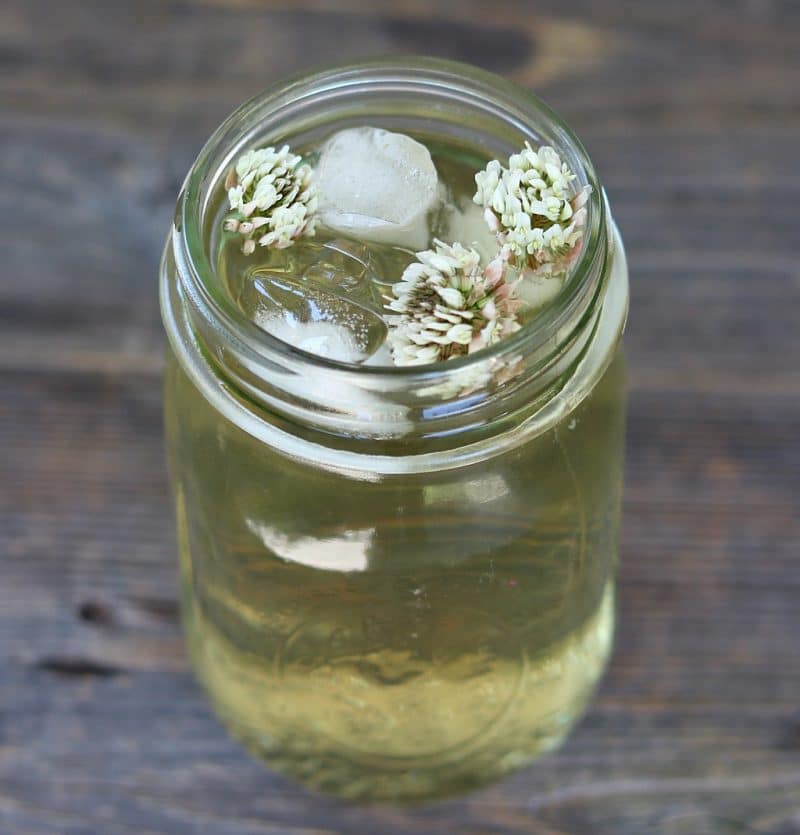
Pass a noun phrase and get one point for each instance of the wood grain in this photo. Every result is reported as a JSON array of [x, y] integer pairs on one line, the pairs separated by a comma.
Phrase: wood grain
[[691, 111]]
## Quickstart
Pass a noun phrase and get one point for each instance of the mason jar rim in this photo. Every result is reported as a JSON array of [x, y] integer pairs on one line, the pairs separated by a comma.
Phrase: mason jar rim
[[427, 76]]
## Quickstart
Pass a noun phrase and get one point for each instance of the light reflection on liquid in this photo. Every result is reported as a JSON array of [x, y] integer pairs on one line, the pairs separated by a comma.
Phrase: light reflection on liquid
[[346, 552]]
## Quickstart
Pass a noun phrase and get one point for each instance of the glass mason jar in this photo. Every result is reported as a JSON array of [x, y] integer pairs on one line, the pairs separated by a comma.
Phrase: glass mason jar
[[396, 582]]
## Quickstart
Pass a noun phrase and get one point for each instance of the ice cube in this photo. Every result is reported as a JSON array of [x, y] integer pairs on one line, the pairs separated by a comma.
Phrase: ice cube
[[466, 223], [314, 316], [376, 185], [323, 299]]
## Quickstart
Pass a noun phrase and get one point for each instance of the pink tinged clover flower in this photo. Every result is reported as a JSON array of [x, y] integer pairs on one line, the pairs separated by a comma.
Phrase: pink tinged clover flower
[[534, 209], [446, 305]]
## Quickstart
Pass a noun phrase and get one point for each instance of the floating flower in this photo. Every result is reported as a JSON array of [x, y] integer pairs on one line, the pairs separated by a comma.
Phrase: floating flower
[[273, 198], [534, 208], [446, 305]]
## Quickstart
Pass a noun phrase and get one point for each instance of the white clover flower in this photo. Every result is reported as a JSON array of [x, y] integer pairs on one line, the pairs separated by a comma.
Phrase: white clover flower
[[533, 207], [273, 198], [446, 305]]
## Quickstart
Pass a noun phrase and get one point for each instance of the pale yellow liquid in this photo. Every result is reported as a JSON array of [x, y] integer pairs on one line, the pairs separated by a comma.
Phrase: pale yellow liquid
[[408, 636]]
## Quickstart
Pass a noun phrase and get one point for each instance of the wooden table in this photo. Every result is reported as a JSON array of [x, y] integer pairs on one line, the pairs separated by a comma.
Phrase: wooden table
[[691, 111]]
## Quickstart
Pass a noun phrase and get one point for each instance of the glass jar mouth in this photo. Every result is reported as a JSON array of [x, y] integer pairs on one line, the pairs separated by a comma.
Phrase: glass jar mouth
[[492, 99]]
